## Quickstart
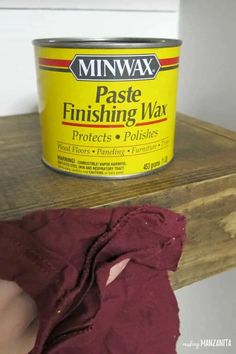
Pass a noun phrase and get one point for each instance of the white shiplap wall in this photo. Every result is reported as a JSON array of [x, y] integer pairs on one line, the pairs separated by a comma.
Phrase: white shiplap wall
[[207, 84], [149, 5], [23, 20]]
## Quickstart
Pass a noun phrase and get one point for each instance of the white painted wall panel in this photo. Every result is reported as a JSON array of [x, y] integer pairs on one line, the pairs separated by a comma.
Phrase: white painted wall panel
[[19, 27], [207, 71], [208, 311], [158, 5]]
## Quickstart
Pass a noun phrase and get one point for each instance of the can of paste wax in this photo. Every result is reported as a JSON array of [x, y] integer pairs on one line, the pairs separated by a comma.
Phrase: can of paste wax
[[107, 106]]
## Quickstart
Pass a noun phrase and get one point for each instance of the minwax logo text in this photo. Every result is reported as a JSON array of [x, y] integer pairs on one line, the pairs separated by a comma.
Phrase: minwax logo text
[[115, 67]]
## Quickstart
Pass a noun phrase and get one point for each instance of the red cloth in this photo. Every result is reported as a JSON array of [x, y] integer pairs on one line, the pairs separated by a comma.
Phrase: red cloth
[[62, 258]]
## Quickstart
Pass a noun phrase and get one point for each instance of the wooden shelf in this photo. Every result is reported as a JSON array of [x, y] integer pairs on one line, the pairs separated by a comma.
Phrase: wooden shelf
[[201, 183]]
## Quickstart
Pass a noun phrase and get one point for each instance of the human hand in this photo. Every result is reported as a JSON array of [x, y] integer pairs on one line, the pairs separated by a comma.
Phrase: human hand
[[18, 319], [18, 315]]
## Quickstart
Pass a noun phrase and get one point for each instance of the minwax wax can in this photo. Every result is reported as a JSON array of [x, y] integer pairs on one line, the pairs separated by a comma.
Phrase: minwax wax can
[[107, 106]]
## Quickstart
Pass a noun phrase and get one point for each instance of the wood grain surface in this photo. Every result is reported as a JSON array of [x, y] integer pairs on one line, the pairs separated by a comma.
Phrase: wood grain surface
[[200, 182]]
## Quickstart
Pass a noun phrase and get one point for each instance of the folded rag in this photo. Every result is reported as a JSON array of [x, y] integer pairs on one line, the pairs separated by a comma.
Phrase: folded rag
[[99, 277]]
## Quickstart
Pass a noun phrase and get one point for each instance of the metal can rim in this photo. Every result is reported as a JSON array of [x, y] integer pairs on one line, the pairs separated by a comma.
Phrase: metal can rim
[[116, 42]]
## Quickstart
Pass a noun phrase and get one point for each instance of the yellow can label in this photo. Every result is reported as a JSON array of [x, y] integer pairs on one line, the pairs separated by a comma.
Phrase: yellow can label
[[107, 112]]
